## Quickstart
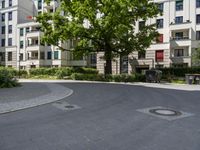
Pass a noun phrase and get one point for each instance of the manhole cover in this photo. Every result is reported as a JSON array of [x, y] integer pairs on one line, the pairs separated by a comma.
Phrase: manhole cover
[[69, 106], [165, 112], [65, 106]]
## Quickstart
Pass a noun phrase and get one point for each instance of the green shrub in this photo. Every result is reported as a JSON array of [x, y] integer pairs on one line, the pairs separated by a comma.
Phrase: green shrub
[[88, 77], [124, 78], [85, 70], [7, 79], [63, 72], [140, 78]]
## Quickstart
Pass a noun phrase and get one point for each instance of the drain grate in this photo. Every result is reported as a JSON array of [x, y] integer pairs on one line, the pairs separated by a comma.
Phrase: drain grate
[[65, 106], [165, 113]]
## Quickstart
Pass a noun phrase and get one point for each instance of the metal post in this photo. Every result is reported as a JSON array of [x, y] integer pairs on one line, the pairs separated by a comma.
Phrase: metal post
[[19, 67]]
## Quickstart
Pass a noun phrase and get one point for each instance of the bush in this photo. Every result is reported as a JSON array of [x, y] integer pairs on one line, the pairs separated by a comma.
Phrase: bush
[[63, 72], [178, 72], [140, 78], [123, 78], [7, 79], [85, 70], [88, 77]]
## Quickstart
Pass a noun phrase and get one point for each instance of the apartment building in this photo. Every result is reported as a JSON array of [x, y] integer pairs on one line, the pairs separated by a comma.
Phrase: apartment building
[[179, 29], [21, 45], [12, 12]]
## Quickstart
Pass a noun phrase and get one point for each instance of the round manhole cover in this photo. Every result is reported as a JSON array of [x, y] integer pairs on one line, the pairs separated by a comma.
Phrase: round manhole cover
[[69, 106], [165, 112]]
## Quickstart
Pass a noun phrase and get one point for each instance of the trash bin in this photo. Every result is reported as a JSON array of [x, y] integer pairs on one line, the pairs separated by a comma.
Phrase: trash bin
[[197, 80], [191, 78], [153, 75]]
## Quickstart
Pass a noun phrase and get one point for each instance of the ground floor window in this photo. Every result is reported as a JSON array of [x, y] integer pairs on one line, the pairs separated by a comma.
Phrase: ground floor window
[[178, 52], [9, 56], [124, 64], [159, 55]]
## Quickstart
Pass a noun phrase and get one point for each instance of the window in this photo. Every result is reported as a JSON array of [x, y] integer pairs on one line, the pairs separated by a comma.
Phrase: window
[[21, 57], [21, 31], [2, 56], [197, 3], [141, 54], [198, 19], [27, 29], [161, 7], [21, 44], [178, 35], [42, 55], [198, 35], [56, 54], [141, 25], [159, 55], [3, 30], [159, 23], [179, 20], [48, 55], [9, 41], [3, 42], [2, 17], [10, 16], [9, 56], [10, 3], [39, 4], [10, 29], [178, 52], [159, 38], [123, 64], [3, 4], [179, 5]]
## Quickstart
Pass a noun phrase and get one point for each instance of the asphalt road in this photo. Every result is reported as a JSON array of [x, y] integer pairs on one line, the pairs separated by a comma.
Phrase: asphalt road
[[106, 120]]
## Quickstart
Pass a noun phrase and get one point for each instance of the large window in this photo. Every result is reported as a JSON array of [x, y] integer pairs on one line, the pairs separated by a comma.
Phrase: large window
[[10, 29], [179, 20], [178, 52], [21, 44], [10, 16], [3, 30], [198, 19], [3, 42], [159, 23], [161, 7], [10, 3], [21, 31], [123, 64], [197, 3], [159, 39], [48, 55], [39, 4], [56, 54], [179, 5], [2, 56], [9, 56], [198, 35], [9, 41], [159, 55], [178, 35], [3, 4], [141, 25], [142, 54], [3, 17]]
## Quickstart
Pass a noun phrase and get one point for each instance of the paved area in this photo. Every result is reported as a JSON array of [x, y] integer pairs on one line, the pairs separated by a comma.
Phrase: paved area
[[107, 119], [31, 95]]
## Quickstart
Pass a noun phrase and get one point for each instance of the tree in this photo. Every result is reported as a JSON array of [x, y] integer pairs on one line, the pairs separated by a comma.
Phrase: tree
[[196, 57], [111, 26]]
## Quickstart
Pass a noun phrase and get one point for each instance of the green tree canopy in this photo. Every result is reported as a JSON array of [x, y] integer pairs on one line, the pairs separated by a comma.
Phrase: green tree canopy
[[100, 26]]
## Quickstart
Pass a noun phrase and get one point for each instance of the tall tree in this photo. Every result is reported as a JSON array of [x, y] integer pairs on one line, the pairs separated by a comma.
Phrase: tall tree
[[110, 26]]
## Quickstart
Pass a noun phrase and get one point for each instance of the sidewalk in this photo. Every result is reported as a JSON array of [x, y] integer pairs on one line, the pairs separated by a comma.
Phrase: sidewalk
[[184, 87], [31, 95]]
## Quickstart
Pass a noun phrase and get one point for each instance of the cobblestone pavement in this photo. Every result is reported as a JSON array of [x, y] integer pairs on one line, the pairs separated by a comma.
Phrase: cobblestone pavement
[[31, 95]]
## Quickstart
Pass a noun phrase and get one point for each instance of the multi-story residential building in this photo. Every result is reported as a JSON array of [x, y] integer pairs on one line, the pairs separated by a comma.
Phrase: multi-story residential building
[[12, 12], [21, 45], [179, 29]]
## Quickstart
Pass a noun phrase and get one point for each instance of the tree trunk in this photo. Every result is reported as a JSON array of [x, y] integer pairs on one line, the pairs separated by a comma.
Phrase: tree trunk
[[108, 58]]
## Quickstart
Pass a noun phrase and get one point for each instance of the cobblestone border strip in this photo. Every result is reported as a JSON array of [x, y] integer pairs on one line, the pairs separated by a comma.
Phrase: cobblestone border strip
[[58, 92]]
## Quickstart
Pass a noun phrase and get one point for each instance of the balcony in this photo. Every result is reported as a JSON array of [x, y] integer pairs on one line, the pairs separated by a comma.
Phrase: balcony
[[51, 5], [34, 33], [183, 25], [34, 47]]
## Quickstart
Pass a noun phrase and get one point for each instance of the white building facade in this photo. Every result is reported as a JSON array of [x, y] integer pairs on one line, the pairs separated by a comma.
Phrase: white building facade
[[179, 29]]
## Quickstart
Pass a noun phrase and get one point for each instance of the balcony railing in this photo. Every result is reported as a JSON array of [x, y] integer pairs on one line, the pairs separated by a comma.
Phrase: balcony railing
[[180, 38]]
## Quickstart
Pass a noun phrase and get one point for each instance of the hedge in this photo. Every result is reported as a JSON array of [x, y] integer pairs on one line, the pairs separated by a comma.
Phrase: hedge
[[7, 78]]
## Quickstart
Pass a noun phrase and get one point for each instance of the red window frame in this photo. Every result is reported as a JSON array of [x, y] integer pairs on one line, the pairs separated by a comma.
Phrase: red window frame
[[159, 56]]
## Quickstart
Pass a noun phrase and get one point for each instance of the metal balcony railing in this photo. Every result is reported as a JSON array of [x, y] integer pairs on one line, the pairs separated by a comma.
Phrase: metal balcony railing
[[180, 38]]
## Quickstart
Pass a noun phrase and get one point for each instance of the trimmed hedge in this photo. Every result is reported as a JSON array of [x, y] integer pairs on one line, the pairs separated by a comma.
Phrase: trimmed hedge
[[88, 77], [7, 78], [178, 72]]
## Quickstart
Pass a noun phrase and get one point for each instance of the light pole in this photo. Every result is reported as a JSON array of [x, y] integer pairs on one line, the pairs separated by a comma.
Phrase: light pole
[[19, 67]]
